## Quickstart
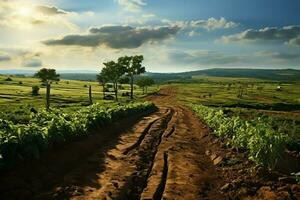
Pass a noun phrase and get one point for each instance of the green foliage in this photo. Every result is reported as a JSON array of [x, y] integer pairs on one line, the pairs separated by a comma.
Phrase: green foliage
[[47, 75], [296, 176], [35, 90], [265, 145], [8, 79], [49, 128], [145, 81], [122, 72]]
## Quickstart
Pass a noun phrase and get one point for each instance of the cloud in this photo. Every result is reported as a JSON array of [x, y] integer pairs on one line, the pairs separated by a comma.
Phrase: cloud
[[34, 62], [4, 58], [116, 37], [208, 58], [279, 55], [193, 33], [287, 34], [210, 24], [294, 41], [204, 57], [132, 5], [47, 10], [21, 15], [213, 24]]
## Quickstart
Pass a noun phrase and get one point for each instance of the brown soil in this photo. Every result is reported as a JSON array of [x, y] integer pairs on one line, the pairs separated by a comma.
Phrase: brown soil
[[170, 154]]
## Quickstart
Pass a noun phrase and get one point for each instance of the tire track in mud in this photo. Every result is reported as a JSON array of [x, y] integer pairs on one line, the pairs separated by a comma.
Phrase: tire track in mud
[[159, 172], [128, 166], [141, 138], [158, 195]]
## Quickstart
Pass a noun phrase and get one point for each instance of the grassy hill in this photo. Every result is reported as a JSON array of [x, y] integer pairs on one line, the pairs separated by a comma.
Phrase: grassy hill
[[267, 74]]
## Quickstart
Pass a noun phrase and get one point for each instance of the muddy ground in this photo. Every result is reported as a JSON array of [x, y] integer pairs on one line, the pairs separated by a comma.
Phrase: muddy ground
[[167, 154]]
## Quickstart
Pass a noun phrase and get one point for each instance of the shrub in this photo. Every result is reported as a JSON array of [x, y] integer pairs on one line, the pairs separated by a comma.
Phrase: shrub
[[35, 90], [8, 79]]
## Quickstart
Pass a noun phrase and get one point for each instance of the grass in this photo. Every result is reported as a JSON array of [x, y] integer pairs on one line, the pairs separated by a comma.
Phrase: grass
[[16, 99], [259, 96]]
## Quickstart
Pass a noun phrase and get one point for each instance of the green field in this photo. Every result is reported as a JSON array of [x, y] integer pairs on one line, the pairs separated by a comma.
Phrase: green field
[[16, 98], [258, 96]]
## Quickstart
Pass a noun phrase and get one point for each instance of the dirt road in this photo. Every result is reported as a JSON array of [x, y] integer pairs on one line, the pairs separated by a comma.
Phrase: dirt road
[[160, 158], [157, 156], [165, 155]]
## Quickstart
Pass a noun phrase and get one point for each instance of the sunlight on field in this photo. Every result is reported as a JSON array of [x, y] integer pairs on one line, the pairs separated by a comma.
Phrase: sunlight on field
[[65, 93]]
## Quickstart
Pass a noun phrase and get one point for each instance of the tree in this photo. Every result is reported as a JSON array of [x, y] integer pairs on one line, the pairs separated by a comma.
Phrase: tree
[[102, 79], [113, 71], [133, 66], [144, 82], [47, 76]]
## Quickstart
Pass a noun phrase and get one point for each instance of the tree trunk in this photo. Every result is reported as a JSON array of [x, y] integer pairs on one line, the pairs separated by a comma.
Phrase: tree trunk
[[116, 90], [90, 95], [48, 96], [146, 90], [143, 90], [103, 90], [131, 89]]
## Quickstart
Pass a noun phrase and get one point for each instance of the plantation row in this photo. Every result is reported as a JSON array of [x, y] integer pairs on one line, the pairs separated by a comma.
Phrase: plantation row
[[49, 128], [265, 144]]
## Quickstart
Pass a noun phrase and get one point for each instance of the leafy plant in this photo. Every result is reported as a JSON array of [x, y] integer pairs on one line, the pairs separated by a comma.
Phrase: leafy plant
[[46, 129], [265, 145]]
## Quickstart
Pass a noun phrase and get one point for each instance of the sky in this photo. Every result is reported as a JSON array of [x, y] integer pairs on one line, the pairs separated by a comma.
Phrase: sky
[[173, 35]]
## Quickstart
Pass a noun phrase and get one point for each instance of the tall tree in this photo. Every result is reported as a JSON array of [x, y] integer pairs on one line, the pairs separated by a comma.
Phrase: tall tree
[[47, 76], [133, 65], [113, 71]]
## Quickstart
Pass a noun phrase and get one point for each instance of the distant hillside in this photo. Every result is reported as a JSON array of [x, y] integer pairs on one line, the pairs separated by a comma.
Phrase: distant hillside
[[268, 74]]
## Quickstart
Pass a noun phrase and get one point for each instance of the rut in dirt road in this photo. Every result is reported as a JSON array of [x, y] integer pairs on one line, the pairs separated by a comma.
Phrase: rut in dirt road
[[133, 159]]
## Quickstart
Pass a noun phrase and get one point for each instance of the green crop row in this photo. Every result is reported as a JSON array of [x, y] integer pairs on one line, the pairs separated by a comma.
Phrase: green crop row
[[49, 128], [265, 145]]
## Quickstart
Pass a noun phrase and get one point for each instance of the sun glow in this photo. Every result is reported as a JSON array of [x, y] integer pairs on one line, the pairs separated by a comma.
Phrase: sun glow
[[25, 11]]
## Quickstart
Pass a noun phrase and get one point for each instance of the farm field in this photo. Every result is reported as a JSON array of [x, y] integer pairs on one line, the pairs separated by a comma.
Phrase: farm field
[[209, 134], [149, 100], [16, 97]]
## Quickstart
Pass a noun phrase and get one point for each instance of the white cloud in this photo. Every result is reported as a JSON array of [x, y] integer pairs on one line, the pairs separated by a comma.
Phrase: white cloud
[[132, 5], [193, 33], [212, 24], [20, 15]]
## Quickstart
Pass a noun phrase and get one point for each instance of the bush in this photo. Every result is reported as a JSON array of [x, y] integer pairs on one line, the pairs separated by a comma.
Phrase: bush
[[35, 90], [8, 79], [20, 83]]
